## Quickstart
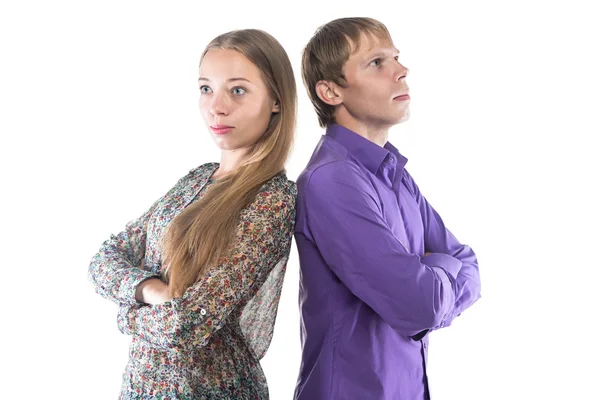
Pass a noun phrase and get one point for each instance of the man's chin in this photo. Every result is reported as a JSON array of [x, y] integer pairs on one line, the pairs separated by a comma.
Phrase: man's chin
[[403, 118]]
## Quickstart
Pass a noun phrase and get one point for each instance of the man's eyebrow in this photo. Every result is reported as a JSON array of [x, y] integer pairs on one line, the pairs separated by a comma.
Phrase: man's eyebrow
[[382, 53]]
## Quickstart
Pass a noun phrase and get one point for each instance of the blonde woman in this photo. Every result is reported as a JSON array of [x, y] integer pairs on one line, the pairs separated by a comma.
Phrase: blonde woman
[[198, 276]]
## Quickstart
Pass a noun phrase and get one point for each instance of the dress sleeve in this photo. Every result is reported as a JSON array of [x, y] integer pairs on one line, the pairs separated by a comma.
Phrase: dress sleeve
[[117, 268], [262, 243]]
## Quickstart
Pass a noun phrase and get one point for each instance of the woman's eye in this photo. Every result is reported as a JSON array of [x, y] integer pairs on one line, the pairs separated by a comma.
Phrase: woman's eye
[[238, 91], [205, 89]]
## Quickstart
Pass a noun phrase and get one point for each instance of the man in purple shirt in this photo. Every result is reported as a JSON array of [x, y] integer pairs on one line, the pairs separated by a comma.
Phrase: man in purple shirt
[[379, 269]]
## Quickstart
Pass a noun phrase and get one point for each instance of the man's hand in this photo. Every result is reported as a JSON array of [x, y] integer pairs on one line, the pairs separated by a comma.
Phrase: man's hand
[[153, 291]]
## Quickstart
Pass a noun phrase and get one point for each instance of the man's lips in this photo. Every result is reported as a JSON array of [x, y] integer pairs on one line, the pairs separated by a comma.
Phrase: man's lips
[[404, 96]]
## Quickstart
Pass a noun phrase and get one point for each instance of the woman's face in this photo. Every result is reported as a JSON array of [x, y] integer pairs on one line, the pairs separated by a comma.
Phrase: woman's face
[[234, 100]]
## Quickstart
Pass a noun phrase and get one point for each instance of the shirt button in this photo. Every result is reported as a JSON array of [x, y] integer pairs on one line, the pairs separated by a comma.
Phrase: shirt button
[[202, 311], [392, 159]]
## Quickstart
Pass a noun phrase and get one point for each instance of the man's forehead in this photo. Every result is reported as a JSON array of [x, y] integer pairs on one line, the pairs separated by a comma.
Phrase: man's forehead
[[369, 42]]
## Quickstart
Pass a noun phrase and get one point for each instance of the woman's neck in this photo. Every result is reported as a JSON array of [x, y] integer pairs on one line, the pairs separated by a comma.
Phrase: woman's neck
[[230, 161]]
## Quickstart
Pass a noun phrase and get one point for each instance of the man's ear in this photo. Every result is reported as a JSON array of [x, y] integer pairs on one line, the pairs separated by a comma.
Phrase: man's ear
[[328, 92]]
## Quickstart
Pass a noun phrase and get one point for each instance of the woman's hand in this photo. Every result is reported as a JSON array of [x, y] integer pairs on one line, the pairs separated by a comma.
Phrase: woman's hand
[[153, 291]]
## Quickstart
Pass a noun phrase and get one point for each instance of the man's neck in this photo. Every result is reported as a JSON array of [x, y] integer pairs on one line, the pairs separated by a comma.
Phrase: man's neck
[[376, 134]]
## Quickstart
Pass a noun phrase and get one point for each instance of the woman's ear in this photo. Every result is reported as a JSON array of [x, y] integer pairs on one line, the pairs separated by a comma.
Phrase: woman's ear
[[276, 108]]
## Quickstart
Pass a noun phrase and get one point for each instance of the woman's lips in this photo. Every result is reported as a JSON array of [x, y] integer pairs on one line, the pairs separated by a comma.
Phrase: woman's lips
[[221, 129]]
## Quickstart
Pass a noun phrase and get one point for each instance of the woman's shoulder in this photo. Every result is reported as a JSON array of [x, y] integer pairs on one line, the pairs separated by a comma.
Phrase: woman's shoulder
[[277, 193], [197, 174], [204, 169], [280, 184], [278, 187]]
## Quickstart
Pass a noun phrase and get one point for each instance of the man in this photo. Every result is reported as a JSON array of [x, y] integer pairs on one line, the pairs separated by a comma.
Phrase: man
[[379, 269]]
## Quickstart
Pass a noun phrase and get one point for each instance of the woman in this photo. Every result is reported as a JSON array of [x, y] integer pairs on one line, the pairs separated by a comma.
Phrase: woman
[[198, 276]]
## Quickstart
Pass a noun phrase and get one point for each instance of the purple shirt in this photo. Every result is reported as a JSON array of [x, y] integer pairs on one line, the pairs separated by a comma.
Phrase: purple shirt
[[368, 296]]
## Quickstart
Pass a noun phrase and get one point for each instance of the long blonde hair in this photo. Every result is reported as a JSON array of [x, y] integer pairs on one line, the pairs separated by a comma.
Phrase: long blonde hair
[[202, 233]]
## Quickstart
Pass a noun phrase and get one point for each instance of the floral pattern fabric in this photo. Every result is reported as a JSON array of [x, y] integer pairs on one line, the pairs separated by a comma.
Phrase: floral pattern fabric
[[208, 343]]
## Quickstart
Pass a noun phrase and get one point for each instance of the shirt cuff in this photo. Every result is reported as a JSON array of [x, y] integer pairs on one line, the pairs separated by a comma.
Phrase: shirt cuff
[[444, 261], [126, 319]]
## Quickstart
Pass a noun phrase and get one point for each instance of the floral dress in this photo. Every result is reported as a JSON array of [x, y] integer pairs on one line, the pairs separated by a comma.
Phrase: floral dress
[[208, 343]]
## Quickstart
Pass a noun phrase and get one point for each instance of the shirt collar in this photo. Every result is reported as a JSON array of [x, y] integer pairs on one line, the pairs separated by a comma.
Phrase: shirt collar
[[400, 159], [368, 153]]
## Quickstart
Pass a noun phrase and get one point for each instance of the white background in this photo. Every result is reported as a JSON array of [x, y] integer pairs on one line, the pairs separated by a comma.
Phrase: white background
[[98, 118]]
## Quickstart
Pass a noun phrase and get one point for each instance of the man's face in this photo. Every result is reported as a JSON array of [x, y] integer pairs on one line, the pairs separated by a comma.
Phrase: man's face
[[376, 92]]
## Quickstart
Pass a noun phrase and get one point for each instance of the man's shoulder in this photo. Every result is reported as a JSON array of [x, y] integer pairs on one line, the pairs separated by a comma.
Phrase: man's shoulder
[[329, 171], [325, 174]]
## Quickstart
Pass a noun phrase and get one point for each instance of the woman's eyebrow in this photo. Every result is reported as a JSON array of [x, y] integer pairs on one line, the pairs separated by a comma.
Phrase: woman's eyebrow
[[228, 80]]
